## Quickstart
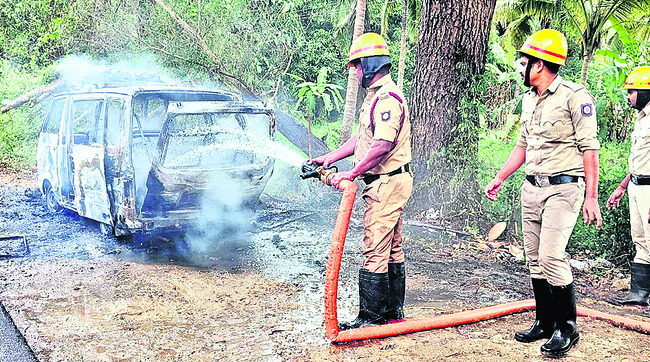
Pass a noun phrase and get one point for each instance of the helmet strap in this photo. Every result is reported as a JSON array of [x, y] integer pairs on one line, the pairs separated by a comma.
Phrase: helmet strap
[[527, 72]]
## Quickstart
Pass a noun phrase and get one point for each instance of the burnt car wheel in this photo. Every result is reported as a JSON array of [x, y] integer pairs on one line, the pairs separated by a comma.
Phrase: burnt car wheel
[[51, 200], [106, 229]]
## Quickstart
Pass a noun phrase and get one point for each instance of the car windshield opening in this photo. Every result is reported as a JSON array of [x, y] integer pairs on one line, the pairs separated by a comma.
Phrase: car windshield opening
[[215, 140]]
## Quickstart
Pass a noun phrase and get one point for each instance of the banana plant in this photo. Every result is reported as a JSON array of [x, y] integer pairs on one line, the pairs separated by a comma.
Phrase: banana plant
[[625, 54], [310, 94]]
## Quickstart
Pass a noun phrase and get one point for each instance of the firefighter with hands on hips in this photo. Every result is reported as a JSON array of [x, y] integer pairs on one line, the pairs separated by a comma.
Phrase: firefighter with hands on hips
[[559, 148], [638, 90], [382, 152]]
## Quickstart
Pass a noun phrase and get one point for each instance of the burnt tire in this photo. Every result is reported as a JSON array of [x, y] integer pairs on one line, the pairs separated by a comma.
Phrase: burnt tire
[[51, 200], [106, 229]]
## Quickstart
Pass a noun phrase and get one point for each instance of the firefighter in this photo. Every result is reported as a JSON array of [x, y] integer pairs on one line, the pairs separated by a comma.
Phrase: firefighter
[[559, 148], [382, 152], [638, 90]]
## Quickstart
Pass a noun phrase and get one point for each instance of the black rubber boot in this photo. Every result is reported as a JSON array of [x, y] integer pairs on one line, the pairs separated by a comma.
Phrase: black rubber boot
[[566, 333], [396, 290], [639, 287], [544, 324], [373, 296]]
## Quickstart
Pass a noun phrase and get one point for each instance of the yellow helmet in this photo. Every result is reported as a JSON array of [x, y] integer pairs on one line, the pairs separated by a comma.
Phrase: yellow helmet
[[367, 45], [639, 78], [546, 44]]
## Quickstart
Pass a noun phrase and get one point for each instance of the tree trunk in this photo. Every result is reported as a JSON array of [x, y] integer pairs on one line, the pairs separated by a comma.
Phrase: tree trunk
[[36, 95], [587, 57], [402, 46], [309, 154], [353, 83], [452, 46]]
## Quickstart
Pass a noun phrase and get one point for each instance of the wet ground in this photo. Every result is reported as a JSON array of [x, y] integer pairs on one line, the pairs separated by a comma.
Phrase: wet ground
[[256, 291]]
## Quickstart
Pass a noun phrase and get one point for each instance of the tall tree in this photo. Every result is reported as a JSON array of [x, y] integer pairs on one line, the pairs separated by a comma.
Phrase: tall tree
[[409, 12], [353, 83], [591, 18], [451, 49]]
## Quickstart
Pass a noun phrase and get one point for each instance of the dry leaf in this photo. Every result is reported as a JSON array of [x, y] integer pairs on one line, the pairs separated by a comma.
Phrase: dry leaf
[[496, 230], [516, 252]]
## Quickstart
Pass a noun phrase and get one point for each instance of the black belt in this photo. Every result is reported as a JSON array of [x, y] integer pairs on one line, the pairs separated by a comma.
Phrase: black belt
[[640, 180], [543, 181], [372, 178]]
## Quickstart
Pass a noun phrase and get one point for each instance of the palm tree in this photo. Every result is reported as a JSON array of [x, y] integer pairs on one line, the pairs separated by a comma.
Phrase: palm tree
[[353, 83], [591, 19], [409, 12]]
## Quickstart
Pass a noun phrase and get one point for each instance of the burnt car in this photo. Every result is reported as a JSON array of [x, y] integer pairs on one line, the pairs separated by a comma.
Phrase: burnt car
[[139, 158]]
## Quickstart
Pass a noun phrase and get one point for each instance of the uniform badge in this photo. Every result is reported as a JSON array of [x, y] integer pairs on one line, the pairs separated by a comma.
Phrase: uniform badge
[[385, 116], [587, 109]]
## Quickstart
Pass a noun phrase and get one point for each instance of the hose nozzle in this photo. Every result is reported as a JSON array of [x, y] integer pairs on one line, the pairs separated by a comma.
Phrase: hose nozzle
[[316, 170]]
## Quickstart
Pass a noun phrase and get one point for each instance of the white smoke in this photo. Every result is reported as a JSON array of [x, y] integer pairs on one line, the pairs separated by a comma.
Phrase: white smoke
[[220, 230]]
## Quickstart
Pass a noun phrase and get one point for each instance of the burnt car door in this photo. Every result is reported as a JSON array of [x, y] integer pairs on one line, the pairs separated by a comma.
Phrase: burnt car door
[[51, 155], [87, 150]]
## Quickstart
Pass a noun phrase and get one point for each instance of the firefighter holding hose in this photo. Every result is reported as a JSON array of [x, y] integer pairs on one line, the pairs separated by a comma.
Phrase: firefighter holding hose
[[382, 152], [559, 148], [638, 88]]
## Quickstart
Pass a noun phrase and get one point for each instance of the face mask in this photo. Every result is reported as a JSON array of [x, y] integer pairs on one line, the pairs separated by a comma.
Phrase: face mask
[[371, 66]]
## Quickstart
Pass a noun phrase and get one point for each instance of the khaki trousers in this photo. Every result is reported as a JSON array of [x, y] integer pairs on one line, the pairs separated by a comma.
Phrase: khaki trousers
[[548, 217], [639, 208], [382, 221]]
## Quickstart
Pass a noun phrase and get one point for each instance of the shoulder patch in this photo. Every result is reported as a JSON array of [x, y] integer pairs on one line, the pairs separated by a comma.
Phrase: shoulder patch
[[587, 109], [383, 96], [385, 116]]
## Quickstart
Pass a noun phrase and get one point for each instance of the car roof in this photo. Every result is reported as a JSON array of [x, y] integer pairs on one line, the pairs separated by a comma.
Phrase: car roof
[[151, 88]]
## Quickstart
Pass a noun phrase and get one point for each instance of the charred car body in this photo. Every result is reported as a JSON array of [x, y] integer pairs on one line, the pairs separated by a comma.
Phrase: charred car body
[[139, 158]]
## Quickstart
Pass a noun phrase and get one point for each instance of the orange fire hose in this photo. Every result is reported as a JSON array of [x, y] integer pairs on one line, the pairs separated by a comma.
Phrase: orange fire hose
[[441, 321]]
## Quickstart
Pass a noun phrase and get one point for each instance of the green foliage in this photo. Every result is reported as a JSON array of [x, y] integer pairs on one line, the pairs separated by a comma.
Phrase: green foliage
[[31, 31], [493, 153], [613, 241], [310, 93], [614, 115], [19, 128]]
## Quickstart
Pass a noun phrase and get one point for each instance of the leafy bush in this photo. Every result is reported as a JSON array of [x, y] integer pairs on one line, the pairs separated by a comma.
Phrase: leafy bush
[[493, 153], [19, 128], [613, 241]]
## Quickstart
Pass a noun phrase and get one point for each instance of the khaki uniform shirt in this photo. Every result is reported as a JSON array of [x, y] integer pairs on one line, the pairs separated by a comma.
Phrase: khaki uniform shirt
[[639, 161], [391, 123], [556, 128]]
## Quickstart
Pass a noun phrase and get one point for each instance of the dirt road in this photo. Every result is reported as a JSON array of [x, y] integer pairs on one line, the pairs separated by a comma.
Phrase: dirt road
[[82, 296]]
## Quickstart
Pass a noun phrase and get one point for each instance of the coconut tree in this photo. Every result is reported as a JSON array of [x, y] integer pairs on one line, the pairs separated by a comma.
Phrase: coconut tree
[[590, 19], [353, 83], [409, 13]]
